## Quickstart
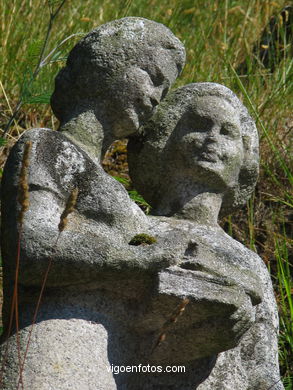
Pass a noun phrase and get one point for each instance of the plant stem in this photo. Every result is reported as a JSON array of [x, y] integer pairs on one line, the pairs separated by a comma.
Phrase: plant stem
[[39, 65]]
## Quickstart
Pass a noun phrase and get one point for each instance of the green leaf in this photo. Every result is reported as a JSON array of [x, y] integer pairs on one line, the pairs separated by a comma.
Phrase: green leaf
[[3, 142], [122, 180], [57, 57], [33, 52], [133, 194], [43, 98]]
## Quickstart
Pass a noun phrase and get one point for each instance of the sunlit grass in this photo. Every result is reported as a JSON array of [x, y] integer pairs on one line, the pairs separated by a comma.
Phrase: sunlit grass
[[218, 36], [285, 288]]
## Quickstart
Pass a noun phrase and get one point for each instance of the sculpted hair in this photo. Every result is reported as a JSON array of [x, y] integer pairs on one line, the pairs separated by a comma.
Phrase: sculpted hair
[[151, 145], [104, 52]]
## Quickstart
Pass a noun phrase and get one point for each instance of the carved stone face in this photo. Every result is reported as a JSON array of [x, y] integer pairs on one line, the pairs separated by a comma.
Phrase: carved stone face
[[119, 72], [138, 90], [200, 139], [209, 140]]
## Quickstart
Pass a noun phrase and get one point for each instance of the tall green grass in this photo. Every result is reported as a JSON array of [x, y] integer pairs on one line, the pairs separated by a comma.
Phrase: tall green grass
[[285, 288], [218, 36]]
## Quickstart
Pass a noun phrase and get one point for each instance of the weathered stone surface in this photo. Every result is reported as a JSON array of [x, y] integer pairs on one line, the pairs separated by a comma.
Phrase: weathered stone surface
[[197, 157], [253, 364], [97, 236], [194, 296], [113, 79], [88, 257], [114, 290], [201, 135]]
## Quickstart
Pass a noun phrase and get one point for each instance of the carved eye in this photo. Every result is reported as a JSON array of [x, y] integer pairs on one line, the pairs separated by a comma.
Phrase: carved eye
[[224, 130], [230, 130], [156, 76], [201, 124]]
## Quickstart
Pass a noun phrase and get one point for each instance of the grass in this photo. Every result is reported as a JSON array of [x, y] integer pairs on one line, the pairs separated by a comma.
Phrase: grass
[[218, 35], [285, 301]]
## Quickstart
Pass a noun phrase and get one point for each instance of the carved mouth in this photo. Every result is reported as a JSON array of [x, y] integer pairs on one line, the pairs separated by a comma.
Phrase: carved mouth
[[145, 111], [209, 156]]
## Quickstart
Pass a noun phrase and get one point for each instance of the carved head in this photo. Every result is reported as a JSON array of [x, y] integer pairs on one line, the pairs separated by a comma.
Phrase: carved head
[[202, 135], [126, 67]]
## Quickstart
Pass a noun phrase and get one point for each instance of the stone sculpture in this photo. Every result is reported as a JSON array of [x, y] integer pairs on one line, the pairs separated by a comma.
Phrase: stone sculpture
[[113, 79], [197, 158], [107, 301]]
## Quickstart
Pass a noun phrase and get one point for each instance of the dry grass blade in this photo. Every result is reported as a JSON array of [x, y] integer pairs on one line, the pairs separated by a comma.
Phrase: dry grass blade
[[23, 199], [23, 190], [70, 205], [174, 318], [69, 208]]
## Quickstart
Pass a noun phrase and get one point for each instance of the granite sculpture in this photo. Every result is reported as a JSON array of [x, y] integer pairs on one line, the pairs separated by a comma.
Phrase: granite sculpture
[[113, 79], [189, 295], [196, 159]]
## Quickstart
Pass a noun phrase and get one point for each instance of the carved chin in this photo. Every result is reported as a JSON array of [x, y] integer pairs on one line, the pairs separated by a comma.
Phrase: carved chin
[[126, 125], [217, 171]]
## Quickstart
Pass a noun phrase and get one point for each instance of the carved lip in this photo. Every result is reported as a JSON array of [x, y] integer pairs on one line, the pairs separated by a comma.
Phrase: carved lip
[[209, 153], [208, 156]]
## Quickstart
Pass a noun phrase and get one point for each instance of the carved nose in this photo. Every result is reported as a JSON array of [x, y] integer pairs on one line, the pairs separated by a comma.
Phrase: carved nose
[[213, 133]]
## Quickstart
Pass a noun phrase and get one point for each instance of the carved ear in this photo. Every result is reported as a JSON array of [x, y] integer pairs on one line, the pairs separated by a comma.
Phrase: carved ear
[[241, 192], [246, 143], [249, 169]]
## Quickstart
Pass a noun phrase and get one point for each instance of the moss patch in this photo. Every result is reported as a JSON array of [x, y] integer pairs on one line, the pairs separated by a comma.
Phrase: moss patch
[[142, 239]]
